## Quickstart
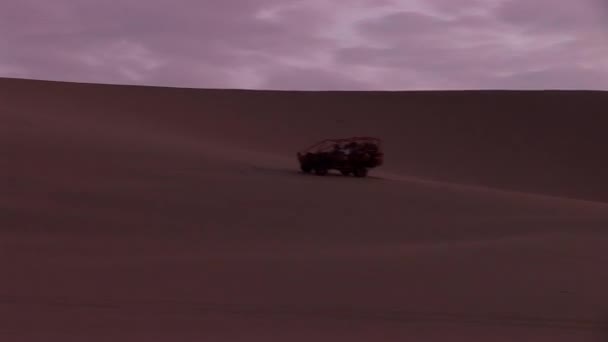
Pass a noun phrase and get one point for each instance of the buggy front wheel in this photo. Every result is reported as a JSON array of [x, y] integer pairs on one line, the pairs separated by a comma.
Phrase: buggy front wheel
[[320, 171], [305, 168], [360, 172]]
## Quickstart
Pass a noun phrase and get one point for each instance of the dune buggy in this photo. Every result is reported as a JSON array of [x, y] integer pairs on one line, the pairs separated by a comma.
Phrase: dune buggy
[[354, 156]]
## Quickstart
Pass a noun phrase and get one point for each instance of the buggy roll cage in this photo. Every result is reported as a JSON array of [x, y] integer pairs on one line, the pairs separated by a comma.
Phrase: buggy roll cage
[[328, 143]]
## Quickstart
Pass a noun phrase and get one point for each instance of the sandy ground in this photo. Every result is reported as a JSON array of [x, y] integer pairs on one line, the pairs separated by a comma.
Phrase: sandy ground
[[153, 214]]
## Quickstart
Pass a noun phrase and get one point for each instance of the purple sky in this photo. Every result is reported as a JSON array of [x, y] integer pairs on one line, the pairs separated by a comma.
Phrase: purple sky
[[310, 44]]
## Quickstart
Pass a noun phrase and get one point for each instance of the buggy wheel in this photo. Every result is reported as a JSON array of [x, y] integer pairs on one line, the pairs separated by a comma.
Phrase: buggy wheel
[[320, 171], [305, 168], [360, 172]]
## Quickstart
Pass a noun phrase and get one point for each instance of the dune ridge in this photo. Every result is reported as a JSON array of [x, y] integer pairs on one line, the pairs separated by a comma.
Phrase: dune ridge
[[538, 141]]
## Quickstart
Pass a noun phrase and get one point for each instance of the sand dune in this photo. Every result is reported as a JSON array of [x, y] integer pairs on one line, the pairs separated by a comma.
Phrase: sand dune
[[140, 213]]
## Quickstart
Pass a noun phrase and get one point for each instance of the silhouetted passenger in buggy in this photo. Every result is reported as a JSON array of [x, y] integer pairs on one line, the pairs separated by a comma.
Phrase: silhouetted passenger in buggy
[[339, 152], [351, 148]]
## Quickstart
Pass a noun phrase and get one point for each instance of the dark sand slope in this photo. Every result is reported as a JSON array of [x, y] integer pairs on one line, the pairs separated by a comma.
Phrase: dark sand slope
[[151, 214]]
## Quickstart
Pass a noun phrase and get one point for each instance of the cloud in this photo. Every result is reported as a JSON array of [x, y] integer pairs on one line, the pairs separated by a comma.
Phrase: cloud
[[554, 17], [486, 50], [297, 78], [571, 77], [313, 44]]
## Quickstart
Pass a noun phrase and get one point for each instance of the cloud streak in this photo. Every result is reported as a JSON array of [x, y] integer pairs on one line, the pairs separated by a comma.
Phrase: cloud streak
[[310, 45]]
